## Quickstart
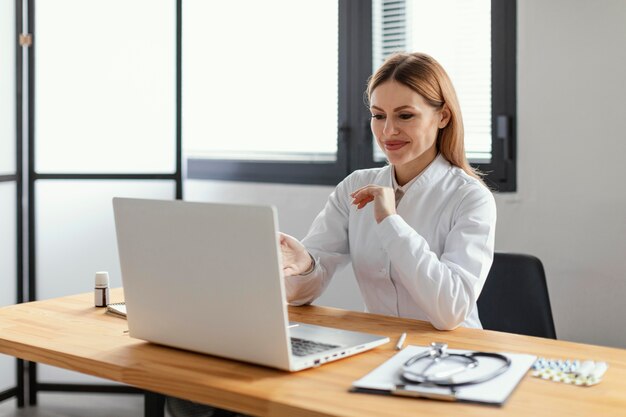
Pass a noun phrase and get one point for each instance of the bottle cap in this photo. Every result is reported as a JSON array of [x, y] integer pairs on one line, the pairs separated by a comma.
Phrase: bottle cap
[[102, 279]]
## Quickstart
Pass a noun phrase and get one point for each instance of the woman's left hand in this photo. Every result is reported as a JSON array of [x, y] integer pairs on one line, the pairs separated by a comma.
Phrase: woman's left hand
[[383, 198]]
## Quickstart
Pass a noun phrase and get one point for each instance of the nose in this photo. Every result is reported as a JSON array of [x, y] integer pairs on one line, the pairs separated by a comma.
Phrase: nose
[[390, 128]]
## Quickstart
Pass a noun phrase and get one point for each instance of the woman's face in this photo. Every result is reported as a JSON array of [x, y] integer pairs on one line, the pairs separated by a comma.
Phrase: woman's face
[[405, 125]]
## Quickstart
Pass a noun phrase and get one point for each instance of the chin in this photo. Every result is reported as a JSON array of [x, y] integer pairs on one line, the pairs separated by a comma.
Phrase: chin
[[412, 156], [401, 159]]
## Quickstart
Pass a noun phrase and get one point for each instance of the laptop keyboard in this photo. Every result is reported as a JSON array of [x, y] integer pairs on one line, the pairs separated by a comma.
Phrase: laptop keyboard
[[303, 347]]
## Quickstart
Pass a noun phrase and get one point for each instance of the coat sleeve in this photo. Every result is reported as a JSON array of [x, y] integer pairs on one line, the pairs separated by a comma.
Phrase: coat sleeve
[[446, 288], [327, 241]]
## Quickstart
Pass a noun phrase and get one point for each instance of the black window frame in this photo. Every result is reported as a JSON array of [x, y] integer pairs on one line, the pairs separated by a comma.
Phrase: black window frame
[[32, 385], [355, 145], [18, 391]]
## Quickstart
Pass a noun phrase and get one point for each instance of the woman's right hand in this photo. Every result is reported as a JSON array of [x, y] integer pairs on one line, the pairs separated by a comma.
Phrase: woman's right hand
[[295, 257]]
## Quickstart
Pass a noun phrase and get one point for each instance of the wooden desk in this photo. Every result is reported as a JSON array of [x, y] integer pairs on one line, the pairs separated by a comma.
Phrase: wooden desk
[[69, 333]]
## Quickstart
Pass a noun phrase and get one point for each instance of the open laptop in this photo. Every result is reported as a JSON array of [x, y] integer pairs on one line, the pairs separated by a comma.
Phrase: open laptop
[[207, 277]]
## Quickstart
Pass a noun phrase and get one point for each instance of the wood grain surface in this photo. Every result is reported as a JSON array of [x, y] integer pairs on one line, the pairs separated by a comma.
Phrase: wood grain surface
[[70, 333]]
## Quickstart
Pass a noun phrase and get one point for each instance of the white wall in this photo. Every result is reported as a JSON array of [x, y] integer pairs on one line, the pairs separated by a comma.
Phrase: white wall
[[570, 208]]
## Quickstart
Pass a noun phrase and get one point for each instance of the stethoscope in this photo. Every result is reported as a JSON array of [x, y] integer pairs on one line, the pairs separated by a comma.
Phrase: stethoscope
[[436, 355]]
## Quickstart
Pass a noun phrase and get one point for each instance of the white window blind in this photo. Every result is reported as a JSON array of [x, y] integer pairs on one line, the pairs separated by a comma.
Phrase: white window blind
[[457, 33]]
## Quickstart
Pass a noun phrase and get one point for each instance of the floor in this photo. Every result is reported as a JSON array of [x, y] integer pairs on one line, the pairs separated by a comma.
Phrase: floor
[[77, 405]]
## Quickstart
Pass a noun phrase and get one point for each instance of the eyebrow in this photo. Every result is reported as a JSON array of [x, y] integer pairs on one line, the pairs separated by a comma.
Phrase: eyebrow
[[406, 106]]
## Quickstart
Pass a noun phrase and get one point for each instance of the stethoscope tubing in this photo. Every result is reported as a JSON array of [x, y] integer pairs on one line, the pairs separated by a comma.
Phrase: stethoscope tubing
[[472, 362]]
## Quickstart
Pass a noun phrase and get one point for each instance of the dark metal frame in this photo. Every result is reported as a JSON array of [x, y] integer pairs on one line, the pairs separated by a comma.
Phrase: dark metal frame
[[18, 391], [33, 385], [19, 137], [501, 173], [355, 144], [357, 32], [10, 393]]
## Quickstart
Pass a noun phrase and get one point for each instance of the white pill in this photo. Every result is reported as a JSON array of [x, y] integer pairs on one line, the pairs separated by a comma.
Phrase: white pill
[[599, 370], [585, 369]]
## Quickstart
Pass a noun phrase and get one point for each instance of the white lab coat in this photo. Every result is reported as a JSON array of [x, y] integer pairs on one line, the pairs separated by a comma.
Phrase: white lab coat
[[428, 262]]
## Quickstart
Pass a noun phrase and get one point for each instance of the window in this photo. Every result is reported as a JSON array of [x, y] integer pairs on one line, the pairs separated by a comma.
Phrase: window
[[103, 120], [289, 127], [250, 95], [260, 93], [118, 86], [11, 271], [464, 51], [8, 106]]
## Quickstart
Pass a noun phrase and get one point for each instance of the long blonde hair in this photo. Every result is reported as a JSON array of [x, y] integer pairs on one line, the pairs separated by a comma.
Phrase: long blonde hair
[[424, 75]]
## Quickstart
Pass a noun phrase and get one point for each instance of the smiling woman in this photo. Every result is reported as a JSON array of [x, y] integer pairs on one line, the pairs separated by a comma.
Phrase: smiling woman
[[420, 231], [406, 133], [424, 112]]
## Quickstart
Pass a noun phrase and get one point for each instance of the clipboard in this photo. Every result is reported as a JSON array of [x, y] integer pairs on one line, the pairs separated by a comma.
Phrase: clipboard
[[386, 380]]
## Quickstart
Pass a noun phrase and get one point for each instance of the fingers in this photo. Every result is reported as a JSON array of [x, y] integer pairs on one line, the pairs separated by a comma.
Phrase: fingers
[[288, 241], [362, 202], [292, 249], [366, 195], [289, 271], [368, 190], [295, 258], [283, 237]]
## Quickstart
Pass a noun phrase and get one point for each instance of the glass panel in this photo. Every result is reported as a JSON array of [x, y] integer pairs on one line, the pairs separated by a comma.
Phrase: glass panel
[[260, 88], [76, 238], [7, 87], [8, 271], [105, 86], [463, 49]]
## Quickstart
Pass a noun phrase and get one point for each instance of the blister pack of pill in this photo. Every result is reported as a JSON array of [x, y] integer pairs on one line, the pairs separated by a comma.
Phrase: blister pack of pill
[[575, 372]]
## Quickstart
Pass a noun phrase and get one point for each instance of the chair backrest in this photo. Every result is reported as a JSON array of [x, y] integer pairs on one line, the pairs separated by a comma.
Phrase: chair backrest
[[515, 297]]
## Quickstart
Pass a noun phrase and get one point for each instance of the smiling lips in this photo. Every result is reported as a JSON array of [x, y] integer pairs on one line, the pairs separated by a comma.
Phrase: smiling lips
[[394, 145]]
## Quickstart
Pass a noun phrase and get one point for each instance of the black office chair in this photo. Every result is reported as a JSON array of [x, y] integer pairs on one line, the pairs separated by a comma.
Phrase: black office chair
[[515, 297]]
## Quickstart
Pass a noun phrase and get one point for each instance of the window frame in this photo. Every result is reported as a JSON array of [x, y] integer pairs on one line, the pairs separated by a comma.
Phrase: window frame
[[16, 177], [32, 176], [354, 138], [350, 54], [501, 173]]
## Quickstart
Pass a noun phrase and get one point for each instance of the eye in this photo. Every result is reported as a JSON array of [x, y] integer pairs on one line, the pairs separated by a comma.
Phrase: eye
[[378, 116], [405, 116]]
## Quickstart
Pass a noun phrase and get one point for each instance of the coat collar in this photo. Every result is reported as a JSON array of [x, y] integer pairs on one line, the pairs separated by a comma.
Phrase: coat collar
[[433, 172]]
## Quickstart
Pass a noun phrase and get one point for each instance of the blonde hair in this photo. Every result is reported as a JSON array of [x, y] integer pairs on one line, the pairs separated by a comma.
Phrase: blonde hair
[[424, 75]]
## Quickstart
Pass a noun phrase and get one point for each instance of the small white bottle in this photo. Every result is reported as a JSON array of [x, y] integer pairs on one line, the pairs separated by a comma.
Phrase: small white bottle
[[101, 290]]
